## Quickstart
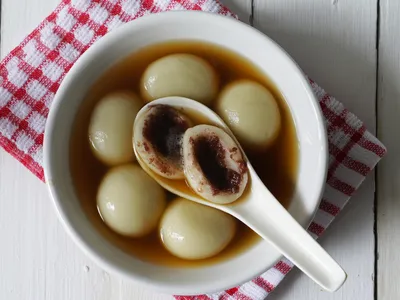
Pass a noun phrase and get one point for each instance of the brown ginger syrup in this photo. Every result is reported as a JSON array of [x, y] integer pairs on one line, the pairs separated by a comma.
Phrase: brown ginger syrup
[[276, 166]]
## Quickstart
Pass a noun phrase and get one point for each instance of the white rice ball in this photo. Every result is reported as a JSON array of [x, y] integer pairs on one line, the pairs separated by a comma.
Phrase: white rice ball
[[193, 231], [183, 75], [111, 127], [251, 112], [130, 201]]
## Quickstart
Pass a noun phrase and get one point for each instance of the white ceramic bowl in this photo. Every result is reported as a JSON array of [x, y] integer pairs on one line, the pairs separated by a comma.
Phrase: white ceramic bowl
[[219, 30]]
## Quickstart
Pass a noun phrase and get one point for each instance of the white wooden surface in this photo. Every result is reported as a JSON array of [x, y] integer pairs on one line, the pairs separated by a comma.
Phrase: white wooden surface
[[334, 42], [388, 186]]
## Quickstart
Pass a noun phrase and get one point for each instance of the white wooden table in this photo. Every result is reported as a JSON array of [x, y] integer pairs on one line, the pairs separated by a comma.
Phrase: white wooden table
[[350, 47]]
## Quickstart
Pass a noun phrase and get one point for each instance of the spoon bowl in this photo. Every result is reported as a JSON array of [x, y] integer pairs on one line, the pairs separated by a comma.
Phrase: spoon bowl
[[257, 208]]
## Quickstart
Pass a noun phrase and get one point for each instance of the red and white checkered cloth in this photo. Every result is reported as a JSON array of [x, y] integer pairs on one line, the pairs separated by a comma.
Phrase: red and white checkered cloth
[[31, 74]]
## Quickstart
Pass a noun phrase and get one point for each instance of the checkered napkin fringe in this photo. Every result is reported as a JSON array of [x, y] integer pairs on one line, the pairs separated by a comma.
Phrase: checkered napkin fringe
[[31, 74]]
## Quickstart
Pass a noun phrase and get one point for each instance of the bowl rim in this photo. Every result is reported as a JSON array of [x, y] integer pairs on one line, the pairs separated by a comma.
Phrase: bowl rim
[[85, 246]]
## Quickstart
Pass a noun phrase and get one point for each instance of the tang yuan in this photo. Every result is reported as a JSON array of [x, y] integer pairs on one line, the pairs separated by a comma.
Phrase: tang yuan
[[251, 112], [193, 231], [184, 75], [130, 201], [111, 127], [158, 139]]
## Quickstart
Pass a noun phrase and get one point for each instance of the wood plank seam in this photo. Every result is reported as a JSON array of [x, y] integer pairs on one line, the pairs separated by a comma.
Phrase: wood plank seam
[[376, 238], [251, 18]]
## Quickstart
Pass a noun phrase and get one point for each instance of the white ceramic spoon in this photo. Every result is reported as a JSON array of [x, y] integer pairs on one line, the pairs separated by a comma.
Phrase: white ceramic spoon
[[260, 211]]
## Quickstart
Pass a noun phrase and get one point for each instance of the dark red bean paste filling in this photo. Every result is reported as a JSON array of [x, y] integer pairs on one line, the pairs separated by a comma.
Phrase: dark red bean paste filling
[[210, 155], [164, 129]]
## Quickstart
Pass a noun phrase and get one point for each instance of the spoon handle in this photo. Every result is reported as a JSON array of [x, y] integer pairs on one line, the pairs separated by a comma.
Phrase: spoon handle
[[267, 217]]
